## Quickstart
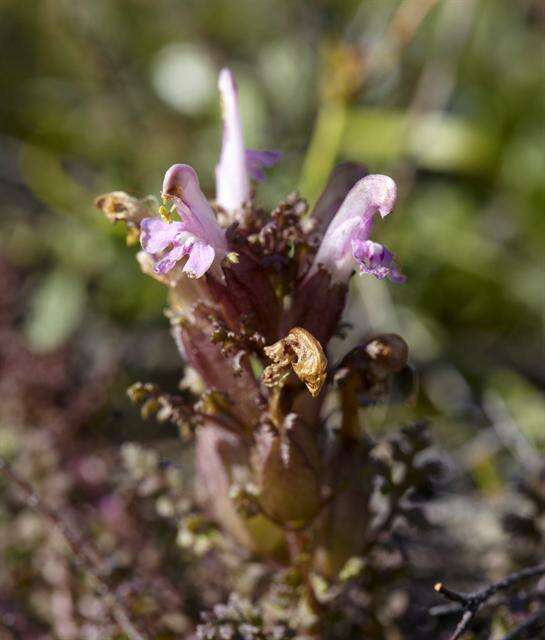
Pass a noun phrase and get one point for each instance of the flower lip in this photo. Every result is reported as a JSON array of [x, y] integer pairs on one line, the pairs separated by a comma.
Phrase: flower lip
[[156, 235], [375, 259], [182, 183], [179, 177], [372, 194], [256, 161]]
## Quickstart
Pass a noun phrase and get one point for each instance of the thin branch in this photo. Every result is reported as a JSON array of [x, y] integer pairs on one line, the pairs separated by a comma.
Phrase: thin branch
[[472, 602], [524, 600], [84, 556]]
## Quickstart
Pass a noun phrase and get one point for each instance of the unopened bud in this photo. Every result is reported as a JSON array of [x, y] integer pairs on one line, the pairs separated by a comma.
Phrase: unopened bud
[[233, 257], [389, 351], [140, 391], [287, 469]]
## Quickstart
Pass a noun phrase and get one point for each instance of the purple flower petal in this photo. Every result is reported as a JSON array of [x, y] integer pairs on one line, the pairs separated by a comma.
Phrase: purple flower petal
[[343, 177], [375, 259], [156, 234], [169, 260], [201, 257], [232, 182], [182, 184], [257, 160]]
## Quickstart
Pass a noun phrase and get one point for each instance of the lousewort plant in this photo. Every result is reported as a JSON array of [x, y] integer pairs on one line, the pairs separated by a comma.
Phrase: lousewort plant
[[254, 299]]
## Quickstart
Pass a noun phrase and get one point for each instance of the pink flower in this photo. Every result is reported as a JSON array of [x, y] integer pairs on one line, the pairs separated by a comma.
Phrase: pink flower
[[198, 234], [347, 243], [236, 165]]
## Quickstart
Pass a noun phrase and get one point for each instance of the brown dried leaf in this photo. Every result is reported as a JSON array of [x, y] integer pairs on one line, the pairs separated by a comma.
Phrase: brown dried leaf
[[118, 205], [299, 351]]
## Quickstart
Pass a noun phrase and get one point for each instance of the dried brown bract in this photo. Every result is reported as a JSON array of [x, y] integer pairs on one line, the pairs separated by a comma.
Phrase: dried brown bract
[[120, 206], [299, 351]]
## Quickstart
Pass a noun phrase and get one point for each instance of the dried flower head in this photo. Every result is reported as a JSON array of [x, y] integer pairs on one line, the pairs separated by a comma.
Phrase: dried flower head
[[120, 206], [299, 351]]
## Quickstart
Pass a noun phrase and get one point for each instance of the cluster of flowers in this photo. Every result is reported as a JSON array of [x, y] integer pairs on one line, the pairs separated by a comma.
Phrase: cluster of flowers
[[199, 237], [254, 300]]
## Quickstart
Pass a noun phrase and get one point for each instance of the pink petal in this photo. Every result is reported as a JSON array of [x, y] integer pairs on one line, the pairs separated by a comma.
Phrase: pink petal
[[201, 257], [232, 182], [169, 260], [370, 195], [156, 234], [256, 161], [353, 221], [181, 182]]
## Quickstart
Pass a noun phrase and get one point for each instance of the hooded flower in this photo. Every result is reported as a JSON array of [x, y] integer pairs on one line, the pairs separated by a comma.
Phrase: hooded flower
[[197, 235], [236, 165], [347, 238]]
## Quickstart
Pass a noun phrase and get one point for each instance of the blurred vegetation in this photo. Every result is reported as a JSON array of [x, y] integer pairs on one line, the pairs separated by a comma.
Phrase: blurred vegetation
[[446, 96]]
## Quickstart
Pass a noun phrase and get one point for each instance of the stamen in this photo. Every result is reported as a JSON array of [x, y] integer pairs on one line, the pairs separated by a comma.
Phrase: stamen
[[166, 215]]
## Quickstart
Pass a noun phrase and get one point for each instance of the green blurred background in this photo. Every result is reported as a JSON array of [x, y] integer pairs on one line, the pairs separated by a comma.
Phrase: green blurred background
[[446, 96]]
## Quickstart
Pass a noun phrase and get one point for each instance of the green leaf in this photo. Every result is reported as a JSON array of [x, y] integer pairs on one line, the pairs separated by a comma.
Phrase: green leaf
[[56, 309], [433, 140]]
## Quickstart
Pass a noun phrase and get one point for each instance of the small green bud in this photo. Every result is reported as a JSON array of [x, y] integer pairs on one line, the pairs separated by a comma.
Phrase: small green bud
[[353, 568]]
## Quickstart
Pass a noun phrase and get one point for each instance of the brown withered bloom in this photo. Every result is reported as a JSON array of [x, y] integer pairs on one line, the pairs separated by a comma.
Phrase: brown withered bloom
[[119, 206], [299, 351]]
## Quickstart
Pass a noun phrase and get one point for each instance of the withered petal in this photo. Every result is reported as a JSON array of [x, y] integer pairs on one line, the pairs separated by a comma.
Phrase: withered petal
[[304, 354]]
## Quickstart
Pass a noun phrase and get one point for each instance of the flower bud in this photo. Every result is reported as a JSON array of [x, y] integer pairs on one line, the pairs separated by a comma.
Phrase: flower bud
[[236, 164], [287, 466], [369, 368], [232, 180], [343, 177], [384, 353]]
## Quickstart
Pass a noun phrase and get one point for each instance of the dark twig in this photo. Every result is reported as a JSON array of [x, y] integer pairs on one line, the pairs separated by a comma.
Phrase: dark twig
[[84, 556], [521, 600], [472, 602]]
